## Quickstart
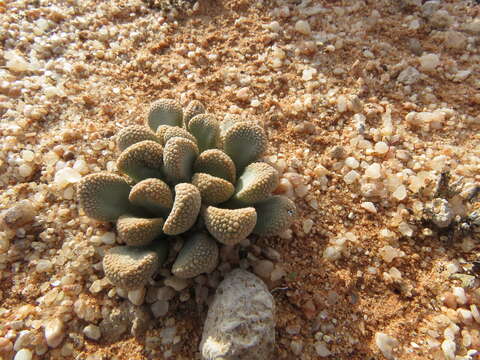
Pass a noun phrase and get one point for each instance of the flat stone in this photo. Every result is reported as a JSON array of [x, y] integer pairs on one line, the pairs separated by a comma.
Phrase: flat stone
[[240, 323]]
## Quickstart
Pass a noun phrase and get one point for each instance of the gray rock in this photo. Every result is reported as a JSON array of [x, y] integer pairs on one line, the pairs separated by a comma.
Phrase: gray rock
[[241, 320]]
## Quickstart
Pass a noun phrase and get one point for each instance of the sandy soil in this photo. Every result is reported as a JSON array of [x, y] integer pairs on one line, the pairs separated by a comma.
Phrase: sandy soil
[[73, 73]]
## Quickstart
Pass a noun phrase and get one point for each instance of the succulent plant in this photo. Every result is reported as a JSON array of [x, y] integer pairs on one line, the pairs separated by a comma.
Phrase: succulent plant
[[184, 174], [165, 112], [130, 267], [142, 160]]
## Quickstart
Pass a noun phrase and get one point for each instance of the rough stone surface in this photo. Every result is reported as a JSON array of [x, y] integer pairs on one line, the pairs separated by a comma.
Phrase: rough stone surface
[[241, 320]]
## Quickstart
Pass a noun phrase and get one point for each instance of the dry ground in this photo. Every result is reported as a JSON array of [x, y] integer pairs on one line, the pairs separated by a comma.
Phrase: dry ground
[[99, 65]]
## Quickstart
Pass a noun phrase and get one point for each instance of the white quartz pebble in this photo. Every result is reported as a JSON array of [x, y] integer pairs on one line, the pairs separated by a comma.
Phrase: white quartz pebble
[[92, 332], [369, 206], [54, 332], [23, 354]]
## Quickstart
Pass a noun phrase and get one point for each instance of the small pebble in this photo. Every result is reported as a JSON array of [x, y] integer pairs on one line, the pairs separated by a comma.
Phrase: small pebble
[[475, 313], [54, 332], [263, 268], [176, 283], [165, 293], [338, 152], [369, 206], [405, 229], [307, 225], [351, 177], [244, 94], [388, 253], [108, 238], [429, 62], [137, 296], [373, 171], [409, 76], [466, 316], [308, 74], [81, 166], [25, 170], [296, 346], [303, 27], [24, 338], [20, 214], [352, 163], [342, 104], [271, 253], [301, 190], [274, 26], [452, 330], [449, 348], [386, 344], [450, 300], [320, 170], [277, 273], [92, 332], [381, 148], [400, 193], [67, 350], [23, 354], [66, 176], [5, 345], [28, 155], [44, 265], [460, 295], [322, 349], [159, 308]]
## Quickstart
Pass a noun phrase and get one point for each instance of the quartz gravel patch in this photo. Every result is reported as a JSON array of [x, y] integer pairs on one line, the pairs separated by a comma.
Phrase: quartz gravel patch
[[365, 103]]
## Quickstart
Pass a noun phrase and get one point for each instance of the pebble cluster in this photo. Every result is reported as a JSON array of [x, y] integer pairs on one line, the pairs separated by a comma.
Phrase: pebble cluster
[[365, 106]]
